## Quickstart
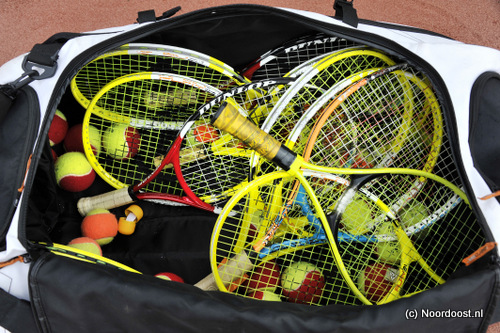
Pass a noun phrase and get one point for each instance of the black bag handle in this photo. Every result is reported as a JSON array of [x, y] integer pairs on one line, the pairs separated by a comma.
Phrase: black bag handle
[[40, 63], [345, 11]]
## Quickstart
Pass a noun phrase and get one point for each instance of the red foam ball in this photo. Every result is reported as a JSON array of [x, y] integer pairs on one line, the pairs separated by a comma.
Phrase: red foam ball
[[58, 128], [302, 282], [264, 277], [170, 277], [74, 142], [376, 280]]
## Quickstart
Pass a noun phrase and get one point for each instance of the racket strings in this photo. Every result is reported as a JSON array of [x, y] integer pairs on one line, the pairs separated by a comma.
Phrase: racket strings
[[135, 120], [310, 86], [441, 231], [216, 162], [131, 59], [283, 59], [297, 243]]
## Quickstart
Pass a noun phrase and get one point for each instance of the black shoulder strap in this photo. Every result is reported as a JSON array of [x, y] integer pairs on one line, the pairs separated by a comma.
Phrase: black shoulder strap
[[16, 314], [38, 64]]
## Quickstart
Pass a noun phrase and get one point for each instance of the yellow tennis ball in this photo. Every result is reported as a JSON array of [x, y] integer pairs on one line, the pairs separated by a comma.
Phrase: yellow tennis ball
[[121, 141], [388, 252], [302, 282], [73, 172], [86, 244], [357, 217], [265, 295], [412, 214]]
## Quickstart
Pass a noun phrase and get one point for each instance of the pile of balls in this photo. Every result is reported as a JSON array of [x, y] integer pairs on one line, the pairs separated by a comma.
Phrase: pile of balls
[[73, 171], [301, 282]]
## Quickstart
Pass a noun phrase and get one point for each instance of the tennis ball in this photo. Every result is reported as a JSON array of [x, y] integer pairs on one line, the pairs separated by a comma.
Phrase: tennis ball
[[302, 282], [73, 172], [205, 133], [121, 141], [360, 161], [73, 140], [265, 295], [376, 280], [357, 217], [414, 213], [100, 225], [388, 252], [58, 128], [170, 277], [264, 277], [86, 244]]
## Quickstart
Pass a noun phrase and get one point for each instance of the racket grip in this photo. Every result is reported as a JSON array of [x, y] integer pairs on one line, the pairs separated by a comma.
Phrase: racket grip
[[228, 119], [230, 271], [108, 200]]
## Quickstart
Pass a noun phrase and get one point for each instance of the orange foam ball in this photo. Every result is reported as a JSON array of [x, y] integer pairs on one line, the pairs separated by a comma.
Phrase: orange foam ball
[[100, 225]]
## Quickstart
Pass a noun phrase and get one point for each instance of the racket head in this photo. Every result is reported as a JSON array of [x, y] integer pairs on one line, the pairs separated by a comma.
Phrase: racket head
[[144, 57], [392, 250], [281, 60], [298, 242], [136, 118], [325, 76], [225, 164]]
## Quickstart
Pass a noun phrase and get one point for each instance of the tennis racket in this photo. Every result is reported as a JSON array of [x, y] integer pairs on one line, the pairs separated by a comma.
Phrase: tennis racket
[[288, 228], [142, 57], [181, 157], [281, 60], [330, 74], [288, 160]]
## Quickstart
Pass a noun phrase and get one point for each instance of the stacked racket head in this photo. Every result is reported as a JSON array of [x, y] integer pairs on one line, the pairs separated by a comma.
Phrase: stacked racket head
[[317, 237], [394, 235]]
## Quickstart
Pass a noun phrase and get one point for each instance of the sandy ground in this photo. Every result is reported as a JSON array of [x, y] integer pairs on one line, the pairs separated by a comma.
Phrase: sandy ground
[[26, 22]]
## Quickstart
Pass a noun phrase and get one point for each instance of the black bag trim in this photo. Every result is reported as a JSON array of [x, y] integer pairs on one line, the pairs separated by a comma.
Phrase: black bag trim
[[484, 136], [15, 314], [17, 136]]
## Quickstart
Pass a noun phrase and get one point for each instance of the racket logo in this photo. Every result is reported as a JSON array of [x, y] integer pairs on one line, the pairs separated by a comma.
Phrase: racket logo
[[401, 277]]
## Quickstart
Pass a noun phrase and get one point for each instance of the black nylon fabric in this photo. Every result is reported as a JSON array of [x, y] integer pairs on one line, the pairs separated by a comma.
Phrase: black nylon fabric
[[73, 296], [484, 138], [15, 314], [16, 140]]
